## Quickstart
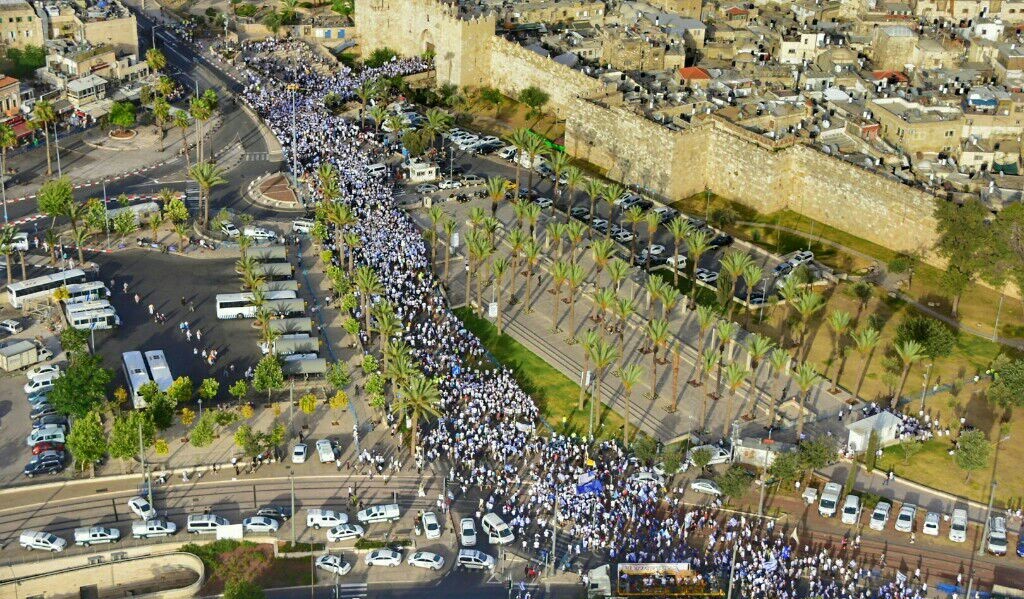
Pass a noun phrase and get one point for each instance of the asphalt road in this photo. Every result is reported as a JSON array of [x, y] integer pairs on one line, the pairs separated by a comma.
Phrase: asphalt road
[[458, 585]]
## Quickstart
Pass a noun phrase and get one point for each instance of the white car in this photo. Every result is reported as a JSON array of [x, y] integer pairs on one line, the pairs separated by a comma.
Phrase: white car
[[427, 560], [333, 564], [325, 449], [802, 257], [646, 476], [449, 184], [467, 532], [345, 532], [383, 557], [13, 327], [997, 542], [318, 518], [426, 188], [719, 455], [230, 230], [469, 180], [677, 262], [94, 535], [958, 526], [141, 507], [703, 485], [655, 249], [931, 524], [260, 524], [906, 517], [851, 509], [42, 370], [299, 453], [543, 202], [624, 236], [431, 527], [41, 383], [706, 276], [880, 517], [471, 559], [32, 539]]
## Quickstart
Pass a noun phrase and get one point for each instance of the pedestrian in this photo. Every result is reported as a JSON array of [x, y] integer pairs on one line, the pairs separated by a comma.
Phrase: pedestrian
[[137, 298], [188, 335], [124, 287], [199, 335], [191, 307], [183, 301], [151, 309]]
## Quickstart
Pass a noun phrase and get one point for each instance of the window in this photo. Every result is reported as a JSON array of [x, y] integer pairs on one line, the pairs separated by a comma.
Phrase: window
[[327, 33]]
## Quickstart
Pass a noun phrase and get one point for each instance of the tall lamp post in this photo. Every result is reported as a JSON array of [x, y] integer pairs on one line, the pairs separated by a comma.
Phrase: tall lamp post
[[988, 513]]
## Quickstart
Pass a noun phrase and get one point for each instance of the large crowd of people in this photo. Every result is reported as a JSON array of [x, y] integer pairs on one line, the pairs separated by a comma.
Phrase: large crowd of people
[[487, 433]]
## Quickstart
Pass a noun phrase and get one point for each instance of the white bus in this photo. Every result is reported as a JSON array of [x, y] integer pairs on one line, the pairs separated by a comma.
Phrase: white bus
[[159, 371], [42, 287], [87, 306], [136, 376], [141, 211], [101, 319], [239, 305], [86, 292]]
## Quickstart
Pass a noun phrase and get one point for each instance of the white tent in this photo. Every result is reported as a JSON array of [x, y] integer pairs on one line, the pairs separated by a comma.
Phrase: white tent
[[884, 424]]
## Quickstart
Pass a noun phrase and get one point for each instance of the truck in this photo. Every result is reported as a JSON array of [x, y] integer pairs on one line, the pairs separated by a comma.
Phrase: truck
[[22, 353], [599, 582], [829, 502]]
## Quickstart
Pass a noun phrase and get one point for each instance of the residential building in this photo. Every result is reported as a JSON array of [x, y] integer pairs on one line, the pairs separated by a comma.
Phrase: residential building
[[19, 25], [98, 22], [916, 128], [10, 96]]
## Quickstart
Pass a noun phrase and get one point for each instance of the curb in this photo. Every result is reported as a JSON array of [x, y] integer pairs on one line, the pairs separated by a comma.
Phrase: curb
[[253, 193]]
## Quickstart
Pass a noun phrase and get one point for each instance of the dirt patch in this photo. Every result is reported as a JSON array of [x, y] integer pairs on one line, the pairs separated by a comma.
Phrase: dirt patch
[[277, 188]]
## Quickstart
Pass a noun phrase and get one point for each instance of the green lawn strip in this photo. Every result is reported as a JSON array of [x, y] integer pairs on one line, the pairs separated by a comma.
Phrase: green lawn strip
[[933, 467], [555, 393]]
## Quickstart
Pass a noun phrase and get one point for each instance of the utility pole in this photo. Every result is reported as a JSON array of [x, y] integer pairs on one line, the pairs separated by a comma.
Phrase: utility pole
[[145, 467], [554, 537], [988, 512], [732, 566], [764, 483], [106, 215], [56, 144]]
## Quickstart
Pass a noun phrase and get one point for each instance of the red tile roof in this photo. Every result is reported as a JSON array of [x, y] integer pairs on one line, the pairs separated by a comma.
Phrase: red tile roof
[[890, 74], [6, 80], [693, 73]]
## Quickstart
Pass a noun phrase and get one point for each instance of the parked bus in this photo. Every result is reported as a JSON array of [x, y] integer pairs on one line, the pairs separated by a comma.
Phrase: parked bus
[[304, 367], [268, 255], [86, 292], [292, 343], [87, 306], [286, 307], [141, 211], [239, 305], [292, 325], [272, 271], [136, 375], [159, 371], [42, 287], [281, 286], [101, 319]]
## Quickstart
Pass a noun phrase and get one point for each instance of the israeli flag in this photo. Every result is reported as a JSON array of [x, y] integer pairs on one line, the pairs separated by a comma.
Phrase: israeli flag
[[588, 483]]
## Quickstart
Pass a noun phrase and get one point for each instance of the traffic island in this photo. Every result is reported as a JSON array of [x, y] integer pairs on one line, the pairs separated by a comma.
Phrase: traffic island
[[275, 191]]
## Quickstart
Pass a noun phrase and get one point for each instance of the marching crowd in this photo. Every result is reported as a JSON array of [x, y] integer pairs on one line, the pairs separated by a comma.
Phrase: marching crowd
[[486, 430]]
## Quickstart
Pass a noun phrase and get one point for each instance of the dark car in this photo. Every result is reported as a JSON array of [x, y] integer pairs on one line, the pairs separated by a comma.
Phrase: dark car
[[580, 213], [277, 512], [51, 462], [1020, 546], [56, 419], [645, 205], [721, 241], [782, 268], [41, 410]]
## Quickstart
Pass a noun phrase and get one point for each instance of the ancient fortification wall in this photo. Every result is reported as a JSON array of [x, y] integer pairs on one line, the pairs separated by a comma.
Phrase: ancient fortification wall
[[713, 154]]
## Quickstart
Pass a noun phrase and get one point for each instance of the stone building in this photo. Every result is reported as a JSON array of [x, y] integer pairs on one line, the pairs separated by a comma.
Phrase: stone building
[[551, 11], [914, 127], [101, 23], [684, 8], [10, 96], [19, 25], [893, 48]]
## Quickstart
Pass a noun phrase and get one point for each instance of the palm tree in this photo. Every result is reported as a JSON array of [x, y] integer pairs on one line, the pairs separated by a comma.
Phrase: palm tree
[[161, 113], [652, 220], [611, 193], [618, 270], [675, 347], [573, 182], [559, 162], [655, 287], [7, 233], [516, 240], [633, 216], [518, 138], [603, 355], [534, 148], [201, 112], [839, 322], [624, 309], [559, 272], [630, 376], [778, 359], [8, 141], [497, 187], [207, 176], [532, 212], [594, 190], [420, 399], [864, 342], [164, 86], [601, 251], [554, 234], [680, 229], [708, 359], [590, 338], [183, 122], [366, 91], [604, 300], [699, 243], [574, 277], [657, 334], [670, 297], [436, 215], [498, 268], [52, 239], [706, 316], [327, 176], [909, 352], [726, 330], [758, 346], [156, 60], [367, 284], [807, 305], [43, 114], [806, 377], [735, 375], [388, 325], [735, 263], [379, 113], [531, 253], [576, 232], [438, 123], [752, 275]]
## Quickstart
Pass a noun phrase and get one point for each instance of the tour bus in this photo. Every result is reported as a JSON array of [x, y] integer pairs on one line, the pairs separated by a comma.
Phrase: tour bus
[[292, 343], [136, 375], [142, 211], [239, 305], [86, 292], [275, 270], [87, 306], [101, 319], [286, 307], [292, 325], [159, 371], [42, 287], [281, 286], [268, 255]]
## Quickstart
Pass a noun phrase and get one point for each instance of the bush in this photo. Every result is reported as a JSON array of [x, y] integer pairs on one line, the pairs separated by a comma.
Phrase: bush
[[375, 544], [871, 457], [734, 482], [246, 10], [936, 338], [380, 57], [211, 552], [869, 500], [289, 547]]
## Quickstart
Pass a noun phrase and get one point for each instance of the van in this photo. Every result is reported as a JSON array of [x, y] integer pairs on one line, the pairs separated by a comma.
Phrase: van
[[829, 502], [94, 535], [498, 533], [46, 434], [153, 528], [259, 234], [471, 559], [325, 449], [316, 518], [204, 523], [380, 513], [302, 225], [377, 169], [20, 241], [41, 383], [958, 526]]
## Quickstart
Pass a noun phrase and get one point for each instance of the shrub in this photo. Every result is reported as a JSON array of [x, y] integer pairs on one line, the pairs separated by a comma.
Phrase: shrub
[[290, 547], [375, 544]]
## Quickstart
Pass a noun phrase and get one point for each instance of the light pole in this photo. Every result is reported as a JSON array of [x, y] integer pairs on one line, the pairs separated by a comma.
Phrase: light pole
[[732, 565], [764, 483], [988, 512], [291, 482], [145, 467], [554, 536], [56, 144]]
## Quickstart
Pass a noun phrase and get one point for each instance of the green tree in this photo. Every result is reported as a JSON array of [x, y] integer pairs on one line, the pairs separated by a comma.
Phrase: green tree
[[268, 375], [239, 390], [203, 432], [75, 342], [936, 339], [972, 452], [57, 200], [244, 589], [701, 458], [817, 452], [786, 468], [492, 97], [208, 389], [307, 404], [908, 352], [419, 400], [1008, 390], [43, 114], [161, 410], [180, 390], [207, 176], [82, 388], [535, 98], [124, 434], [380, 57], [87, 441], [734, 482], [964, 239], [122, 114]]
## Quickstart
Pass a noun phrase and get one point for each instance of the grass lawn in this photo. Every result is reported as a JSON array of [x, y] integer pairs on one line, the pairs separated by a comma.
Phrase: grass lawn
[[554, 392], [934, 467]]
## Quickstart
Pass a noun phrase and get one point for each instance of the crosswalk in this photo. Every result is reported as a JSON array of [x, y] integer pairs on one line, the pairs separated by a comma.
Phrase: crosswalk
[[192, 196], [256, 156], [349, 591]]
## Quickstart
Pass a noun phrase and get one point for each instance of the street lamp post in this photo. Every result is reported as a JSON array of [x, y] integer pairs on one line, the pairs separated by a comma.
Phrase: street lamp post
[[56, 144], [554, 536], [291, 482], [988, 512], [145, 467]]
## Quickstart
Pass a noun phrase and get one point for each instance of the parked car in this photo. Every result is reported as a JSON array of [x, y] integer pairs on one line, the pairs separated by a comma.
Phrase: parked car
[[829, 502], [43, 447], [851, 509], [33, 539], [42, 369], [318, 518], [153, 528], [383, 557], [498, 533], [958, 526], [228, 228], [677, 262], [41, 409], [141, 507], [449, 184], [431, 527], [299, 453], [802, 257], [56, 420], [997, 535], [720, 241], [50, 433], [467, 532], [93, 535], [931, 524], [579, 212], [345, 532], [426, 188], [379, 513], [204, 523], [41, 383], [472, 180], [427, 560], [303, 225], [782, 269], [623, 236], [905, 519], [880, 516], [50, 462], [706, 276], [334, 564], [544, 203], [706, 486], [260, 524], [277, 512], [11, 327], [471, 559], [325, 449], [665, 213]]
